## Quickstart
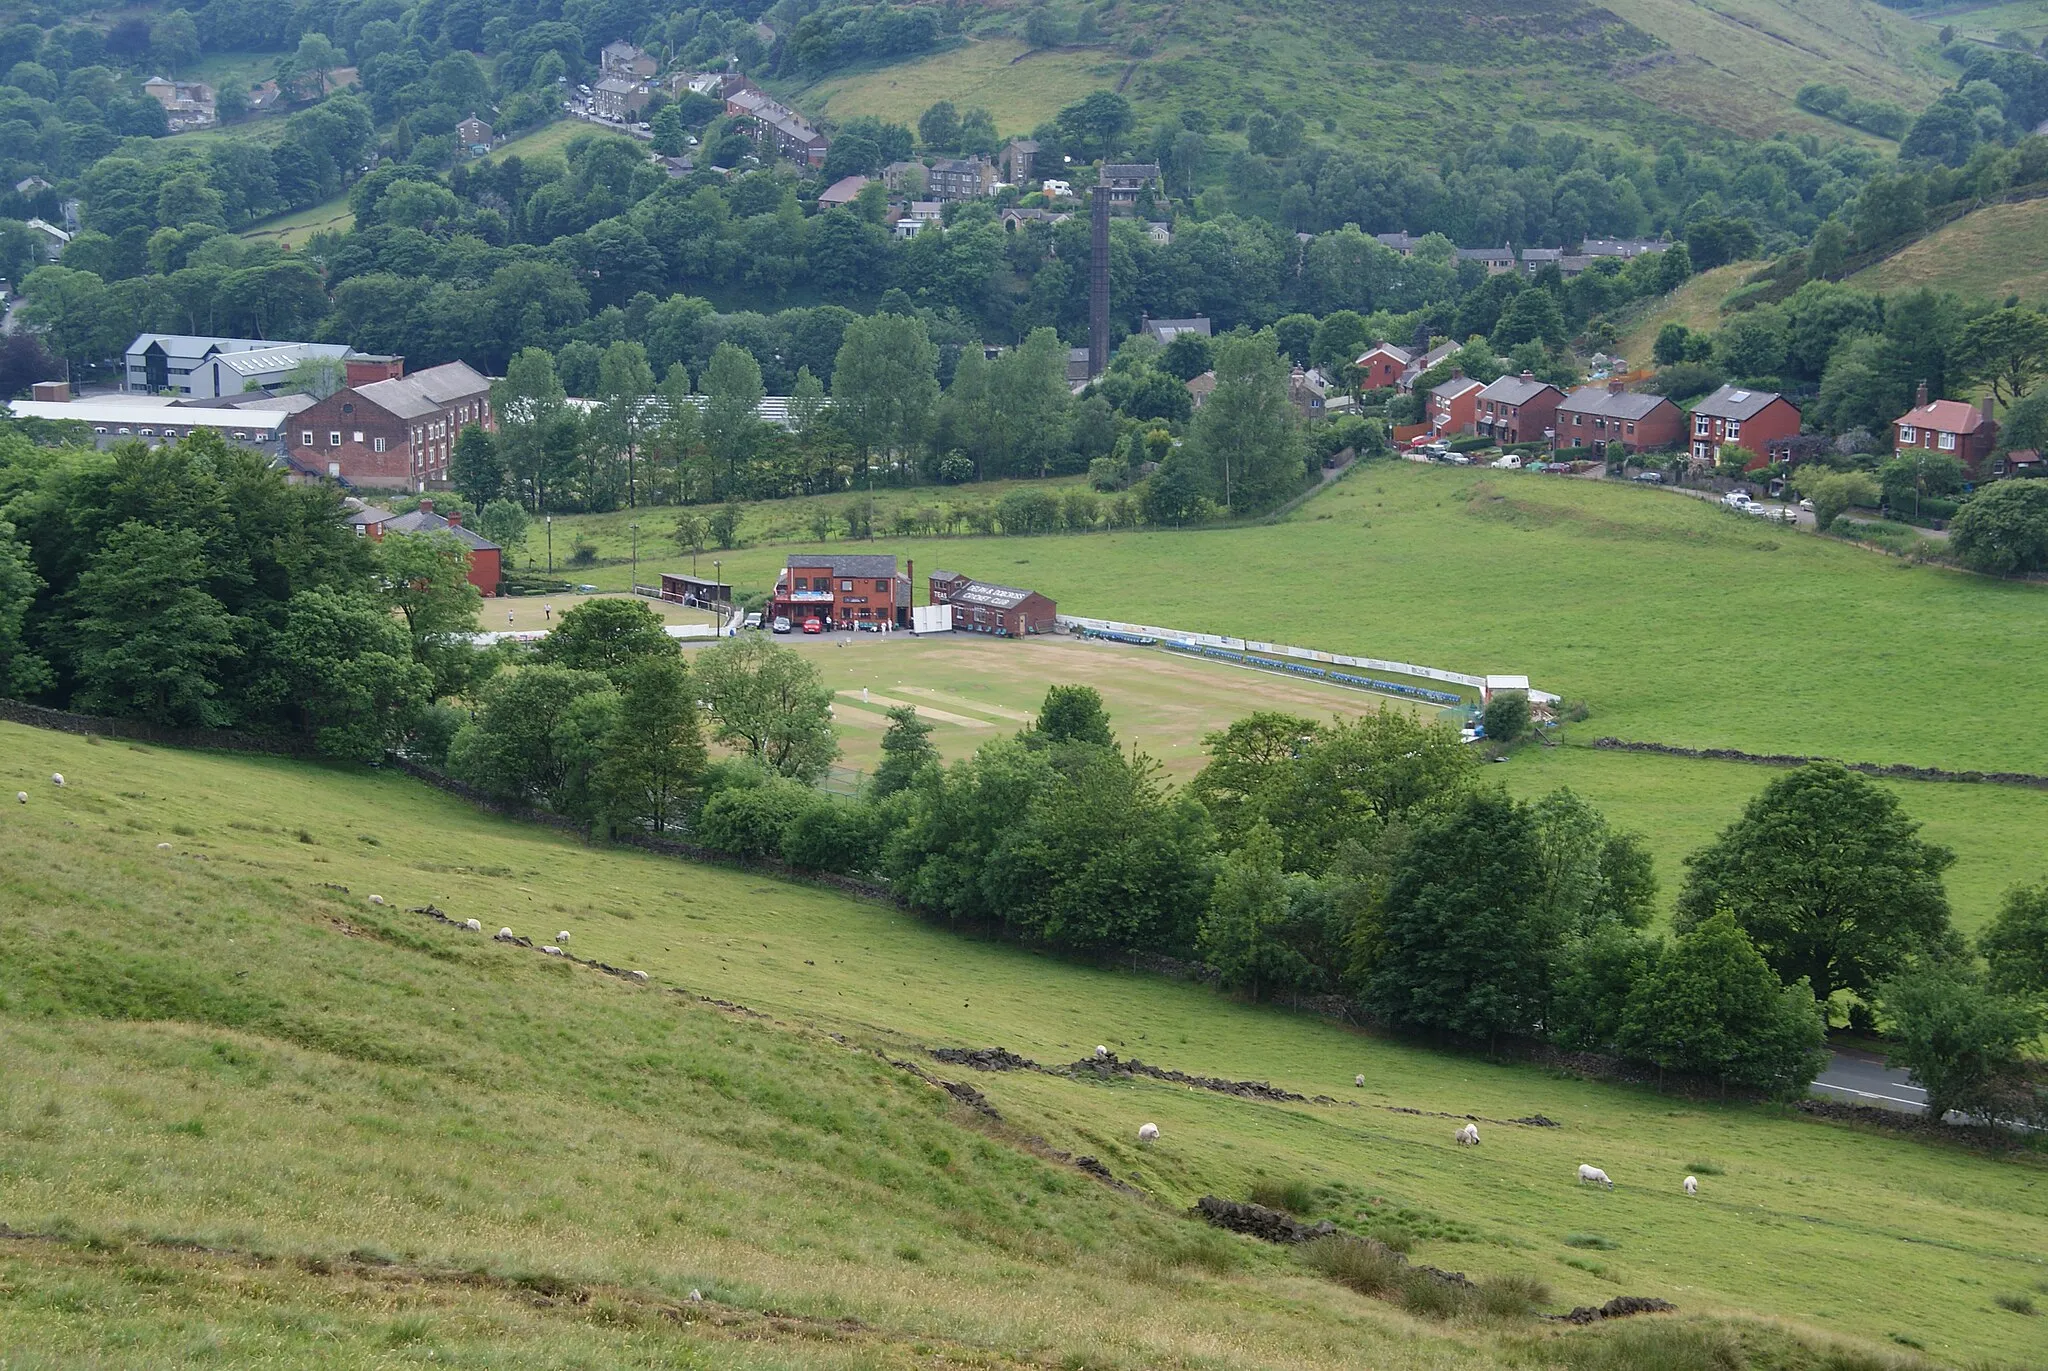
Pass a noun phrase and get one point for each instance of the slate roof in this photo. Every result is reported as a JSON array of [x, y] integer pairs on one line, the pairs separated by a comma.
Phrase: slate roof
[[1627, 404], [423, 392], [1513, 390], [419, 521], [1454, 387], [1734, 402], [989, 596], [866, 564]]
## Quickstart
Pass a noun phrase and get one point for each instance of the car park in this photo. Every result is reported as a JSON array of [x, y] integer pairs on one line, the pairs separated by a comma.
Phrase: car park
[[781, 624], [814, 625]]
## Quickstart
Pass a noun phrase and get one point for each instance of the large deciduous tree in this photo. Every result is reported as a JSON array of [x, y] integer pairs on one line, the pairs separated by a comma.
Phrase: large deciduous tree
[[1247, 436], [426, 580], [2003, 529], [151, 641], [1827, 876], [609, 635], [768, 701]]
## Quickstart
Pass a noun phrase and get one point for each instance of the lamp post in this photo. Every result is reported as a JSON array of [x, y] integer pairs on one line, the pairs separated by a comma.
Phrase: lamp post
[[549, 520], [636, 558], [717, 584]]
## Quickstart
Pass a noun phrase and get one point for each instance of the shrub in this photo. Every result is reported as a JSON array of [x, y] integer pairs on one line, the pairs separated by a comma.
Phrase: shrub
[[1592, 1241], [1366, 1267], [1705, 1168], [584, 553], [1513, 1296], [1293, 1196], [1506, 717], [1657, 1346], [2018, 1304], [1431, 1297], [748, 820]]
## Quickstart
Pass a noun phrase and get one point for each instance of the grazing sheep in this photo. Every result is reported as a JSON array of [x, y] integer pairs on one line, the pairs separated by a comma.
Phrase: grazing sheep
[[377, 899], [640, 976], [1359, 1079], [163, 847], [697, 1296], [1148, 1132], [1101, 1053], [57, 778], [552, 950], [1468, 1136], [21, 795], [473, 925], [1595, 1175], [562, 937], [1692, 1185], [505, 934]]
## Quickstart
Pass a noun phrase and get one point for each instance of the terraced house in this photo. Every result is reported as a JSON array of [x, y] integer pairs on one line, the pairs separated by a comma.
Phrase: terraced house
[[1517, 409], [1593, 416], [1749, 419]]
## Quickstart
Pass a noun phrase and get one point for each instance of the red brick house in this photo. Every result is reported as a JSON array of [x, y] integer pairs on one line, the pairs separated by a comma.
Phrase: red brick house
[[1593, 416], [486, 558], [1734, 417], [1950, 427], [1517, 409], [1453, 406], [386, 430], [846, 591], [980, 607], [1382, 365]]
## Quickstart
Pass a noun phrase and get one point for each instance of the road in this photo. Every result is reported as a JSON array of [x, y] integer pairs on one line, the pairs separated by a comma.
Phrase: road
[[1863, 1078]]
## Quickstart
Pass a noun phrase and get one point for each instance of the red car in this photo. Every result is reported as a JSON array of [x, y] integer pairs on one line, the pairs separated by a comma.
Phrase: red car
[[814, 625]]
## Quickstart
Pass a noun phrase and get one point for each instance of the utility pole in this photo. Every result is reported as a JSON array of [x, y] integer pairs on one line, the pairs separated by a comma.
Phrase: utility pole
[[549, 520], [636, 557]]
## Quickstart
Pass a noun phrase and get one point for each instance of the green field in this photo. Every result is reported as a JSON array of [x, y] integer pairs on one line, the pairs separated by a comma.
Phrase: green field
[[296, 230], [1021, 87], [1987, 254], [1673, 620], [1696, 304], [273, 1122], [549, 139], [1986, 23]]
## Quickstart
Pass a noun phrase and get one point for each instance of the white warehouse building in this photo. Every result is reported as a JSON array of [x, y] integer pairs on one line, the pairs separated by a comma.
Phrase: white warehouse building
[[207, 368]]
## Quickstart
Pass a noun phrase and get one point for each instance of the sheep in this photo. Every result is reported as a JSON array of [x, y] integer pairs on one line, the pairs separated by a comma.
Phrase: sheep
[[1692, 1185], [640, 976], [562, 937], [1101, 1053], [1148, 1132], [21, 795], [1595, 1175], [505, 935], [552, 950], [377, 899], [163, 847], [1468, 1136], [57, 779], [1359, 1080], [473, 925]]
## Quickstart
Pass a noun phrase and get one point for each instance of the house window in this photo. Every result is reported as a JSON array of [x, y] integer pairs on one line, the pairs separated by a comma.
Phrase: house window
[[881, 585], [846, 585], [1578, 421], [1908, 434], [1700, 424], [306, 438], [334, 437], [377, 444], [1948, 442], [1734, 429], [803, 583], [1630, 429]]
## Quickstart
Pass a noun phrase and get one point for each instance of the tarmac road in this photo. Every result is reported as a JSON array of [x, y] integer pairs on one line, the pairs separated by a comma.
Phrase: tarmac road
[[1863, 1078]]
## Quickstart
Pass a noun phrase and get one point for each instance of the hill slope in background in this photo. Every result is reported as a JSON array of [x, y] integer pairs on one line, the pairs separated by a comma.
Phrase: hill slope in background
[[1402, 75], [260, 1118], [1989, 253]]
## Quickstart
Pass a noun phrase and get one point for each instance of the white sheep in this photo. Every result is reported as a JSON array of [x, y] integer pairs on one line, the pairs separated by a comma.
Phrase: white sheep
[[1692, 1185], [1359, 1079], [562, 937], [163, 847], [552, 950], [505, 934], [377, 899], [21, 795], [640, 976], [57, 778], [473, 925], [1101, 1053], [1468, 1136], [1148, 1132], [1595, 1175]]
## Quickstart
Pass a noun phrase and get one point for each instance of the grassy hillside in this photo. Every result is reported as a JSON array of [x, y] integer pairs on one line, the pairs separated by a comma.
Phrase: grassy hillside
[[1696, 304], [1390, 73], [264, 1120], [1990, 253], [1674, 620], [295, 230]]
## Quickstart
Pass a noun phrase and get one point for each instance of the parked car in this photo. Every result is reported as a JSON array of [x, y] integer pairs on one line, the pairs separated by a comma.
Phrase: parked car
[[1737, 499], [753, 620], [781, 624], [1456, 459], [1507, 463], [1649, 478], [814, 625]]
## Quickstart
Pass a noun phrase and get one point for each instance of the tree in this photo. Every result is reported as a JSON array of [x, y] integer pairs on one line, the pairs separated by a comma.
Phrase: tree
[[505, 524], [653, 753], [1096, 125], [723, 524], [151, 642], [23, 672], [2016, 943], [531, 405], [1506, 716], [2002, 530], [733, 391], [1247, 437], [1961, 1042], [768, 701], [1834, 493], [318, 377], [906, 750], [610, 635], [344, 667], [885, 383], [1669, 348], [670, 137], [528, 739], [2006, 349], [1456, 947], [1827, 876], [1532, 316], [938, 128], [426, 580], [473, 467], [1712, 1007], [624, 383], [1240, 930], [1074, 714], [317, 56], [1187, 356]]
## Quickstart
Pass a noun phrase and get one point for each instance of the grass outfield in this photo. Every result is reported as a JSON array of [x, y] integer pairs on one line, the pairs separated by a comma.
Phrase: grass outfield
[[211, 1045], [1676, 621], [528, 613], [1987, 254]]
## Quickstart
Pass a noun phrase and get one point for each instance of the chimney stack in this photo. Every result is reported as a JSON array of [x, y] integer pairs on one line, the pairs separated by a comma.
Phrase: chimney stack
[[1528, 376], [1615, 385], [455, 518], [1457, 373], [1920, 396], [361, 370], [1990, 408], [426, 506]]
